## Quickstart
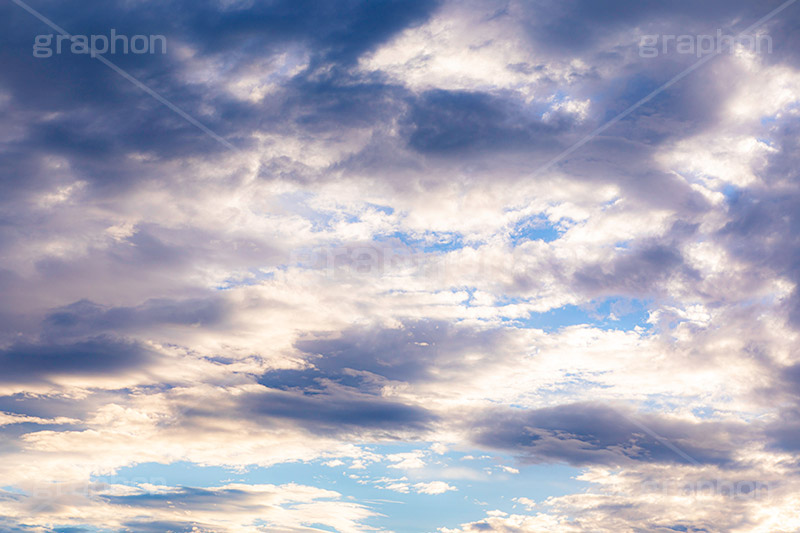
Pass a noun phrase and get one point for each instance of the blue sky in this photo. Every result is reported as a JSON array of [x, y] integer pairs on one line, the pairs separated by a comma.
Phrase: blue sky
[[401, 511], [399, 266]]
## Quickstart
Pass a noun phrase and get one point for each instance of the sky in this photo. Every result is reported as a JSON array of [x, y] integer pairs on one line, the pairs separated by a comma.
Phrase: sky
[[421, 266]]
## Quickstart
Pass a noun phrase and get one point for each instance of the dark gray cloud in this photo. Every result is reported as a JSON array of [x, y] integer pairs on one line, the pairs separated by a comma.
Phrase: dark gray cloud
[[102, 355], [639, 272], [579, 26], [86, 317], [342, 388], [334, 100], [458, 122], [96, 118], [418, 351], [763, 231], [784, 433], [339, 33], [332, 413], [589, 433]]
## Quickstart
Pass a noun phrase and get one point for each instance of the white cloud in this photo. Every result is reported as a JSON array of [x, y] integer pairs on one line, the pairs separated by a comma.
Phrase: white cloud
[[433, 487]]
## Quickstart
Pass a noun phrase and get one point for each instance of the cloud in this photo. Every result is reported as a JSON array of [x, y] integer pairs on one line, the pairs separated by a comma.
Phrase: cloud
[[96, 356], [433, 487], [354, 274], [87, 317], [445, 122], [333, 413], [406, 461], [417, 351], [234, 507], [586, 433]]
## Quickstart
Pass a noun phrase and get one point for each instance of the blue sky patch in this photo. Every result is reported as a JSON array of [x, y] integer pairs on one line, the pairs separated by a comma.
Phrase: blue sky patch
[[537, 228], [474, 474], [612, 313]]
